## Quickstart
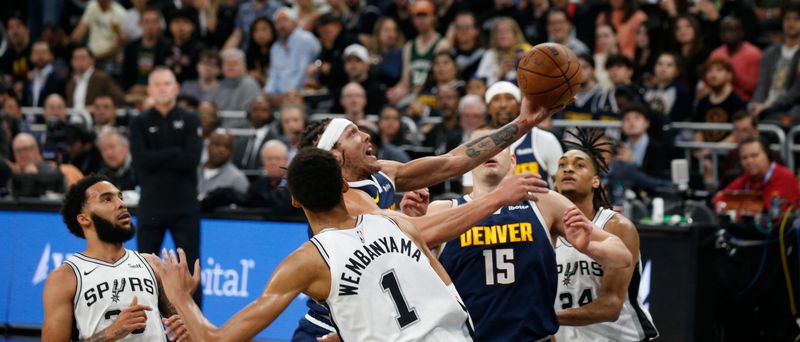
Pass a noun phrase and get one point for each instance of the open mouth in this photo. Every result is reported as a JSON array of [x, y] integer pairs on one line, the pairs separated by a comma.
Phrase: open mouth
[[125, 216], [491, 162], [567, 179]]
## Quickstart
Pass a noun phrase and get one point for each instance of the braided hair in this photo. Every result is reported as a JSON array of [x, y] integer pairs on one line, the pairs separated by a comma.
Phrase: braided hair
[[313, 132], [590, 141]]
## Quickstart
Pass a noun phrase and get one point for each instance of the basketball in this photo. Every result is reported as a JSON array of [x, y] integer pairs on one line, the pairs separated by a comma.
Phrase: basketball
[[549, 75]]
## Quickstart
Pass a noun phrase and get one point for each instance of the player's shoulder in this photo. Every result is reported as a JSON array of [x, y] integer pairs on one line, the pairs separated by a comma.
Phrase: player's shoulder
[[63, 280], [619, 224]]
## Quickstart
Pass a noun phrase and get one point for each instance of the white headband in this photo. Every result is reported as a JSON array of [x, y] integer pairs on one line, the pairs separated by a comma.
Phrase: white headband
[[332, 133]]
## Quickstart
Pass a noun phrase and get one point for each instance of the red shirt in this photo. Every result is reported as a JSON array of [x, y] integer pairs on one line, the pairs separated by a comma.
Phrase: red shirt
[[782, 182], [746, 63]]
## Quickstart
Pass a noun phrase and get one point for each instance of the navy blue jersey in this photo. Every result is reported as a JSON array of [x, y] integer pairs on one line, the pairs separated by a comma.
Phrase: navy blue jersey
[[505, 270], [381, 189], [526, 159]]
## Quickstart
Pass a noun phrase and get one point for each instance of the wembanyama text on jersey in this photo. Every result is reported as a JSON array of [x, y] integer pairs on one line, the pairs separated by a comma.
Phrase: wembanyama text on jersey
[[104, 290], [383, 287]]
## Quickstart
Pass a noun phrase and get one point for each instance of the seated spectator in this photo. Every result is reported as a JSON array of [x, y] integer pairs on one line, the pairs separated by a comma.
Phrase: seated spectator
[[15, 119], [559, 30], [207, 83], [778, 88], [742, 55], [745, 126], [56, 121], [387, 50], [237, 89], [269, 189], [648, 48], [247, 13], [32, 176], [289, 56], [650, 155], [293, 123], [117, 162], [354, 102], [358, 68], [471, 115], [44, 78], [626, 17], [589, 94], [384, 151], [209, 122], [391, 128], [245, 154], [186, 47], [144, 54], [476, 86], [762, 174], [14, 62], [670, 97], [329, 72], [262, 35], [507, 45], [307, 14], [444, 74], [721, 103], [219, 172], [81, 149], [358, 17], [620, 73], [606, 45], [690, 47], [87, 83], [102, 20], [445, 135], [104, 114], [466, 44]]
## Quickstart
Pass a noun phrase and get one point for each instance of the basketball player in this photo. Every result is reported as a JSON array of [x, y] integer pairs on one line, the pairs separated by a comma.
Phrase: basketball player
[[106, 292], [595, 302], [504, 266], [374, 273]]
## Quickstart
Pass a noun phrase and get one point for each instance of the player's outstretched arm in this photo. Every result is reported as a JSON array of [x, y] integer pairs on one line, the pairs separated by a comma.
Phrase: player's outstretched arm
[[409, 229], [614, 287], [302, 271], [169, 316], [424, 172]]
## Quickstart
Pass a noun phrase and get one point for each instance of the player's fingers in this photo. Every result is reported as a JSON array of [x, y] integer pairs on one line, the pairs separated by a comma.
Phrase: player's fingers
[[182, 257], [196, 273], [165, 257], [173, 257], [135, 301]]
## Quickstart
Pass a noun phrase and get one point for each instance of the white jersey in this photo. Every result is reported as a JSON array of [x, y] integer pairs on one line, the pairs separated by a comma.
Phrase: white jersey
[[104, 290], [579, 280], [383, 287]]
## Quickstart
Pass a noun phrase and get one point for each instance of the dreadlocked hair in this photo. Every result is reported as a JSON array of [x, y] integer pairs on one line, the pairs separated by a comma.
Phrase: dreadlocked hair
[[593, 142], [313, 132]]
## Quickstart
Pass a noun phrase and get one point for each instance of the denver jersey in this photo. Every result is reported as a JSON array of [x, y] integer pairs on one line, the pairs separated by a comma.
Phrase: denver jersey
[[504, 269], [383, 287], [537, 152], [379, 187], [579, 280], [104, 290]]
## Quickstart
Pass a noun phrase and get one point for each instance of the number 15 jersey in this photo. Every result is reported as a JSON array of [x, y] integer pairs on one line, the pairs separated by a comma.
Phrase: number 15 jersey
[[383, 287]]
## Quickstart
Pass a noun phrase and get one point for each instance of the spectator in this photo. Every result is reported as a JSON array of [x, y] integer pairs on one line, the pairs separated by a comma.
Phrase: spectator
[[648, 48], [167, 158], [778, 88], [445, 135], [605, 45], [721, 103], [237, 89], [559, 30], [293, 123], [104, 114], [690, 47], [744, 126], [472, 114], [143, 54], [56, 121], [248, 12], [207, 83], [466, 43], [14, 62], [639, 148], [87, 83], [358, 68], [289, 57], [391, 128], [131, 21], [81, 150], [506, 46], [762, 174], [620, 73], [186, 47], [743, 56], [354, 101], [117, 162], [262, 35], [387, 50], [245, 154], [418, 53], [307, 14], [32, 176], [444, 74], [476, 86], [589, 94], [44, 78], [12, 112], [626, 17], [328, 72], [400, 12], [670, 97], [215, 20], [218, 172], [269, 189], [102, 20], [209, 122], [359, 18]]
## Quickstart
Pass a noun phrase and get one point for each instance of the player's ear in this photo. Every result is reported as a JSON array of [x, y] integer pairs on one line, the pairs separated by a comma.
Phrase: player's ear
[[84, 220], [595, 182], [296, 204], [345, 186], [338, 155]]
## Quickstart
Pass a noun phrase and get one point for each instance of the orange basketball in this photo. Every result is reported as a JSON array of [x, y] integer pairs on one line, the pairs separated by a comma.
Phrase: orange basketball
[[549, 75]]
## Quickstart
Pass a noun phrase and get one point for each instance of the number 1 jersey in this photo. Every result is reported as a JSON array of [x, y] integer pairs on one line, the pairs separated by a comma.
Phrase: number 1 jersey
[[383, 288]]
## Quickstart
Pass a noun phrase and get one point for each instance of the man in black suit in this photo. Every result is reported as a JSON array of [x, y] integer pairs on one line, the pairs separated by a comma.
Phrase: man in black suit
[[43, 79], [246, 151]]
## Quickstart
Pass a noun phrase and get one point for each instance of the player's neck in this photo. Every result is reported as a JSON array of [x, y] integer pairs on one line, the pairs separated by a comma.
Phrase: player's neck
[[338, 217], [104, 251], [482, 188], [584, 203]]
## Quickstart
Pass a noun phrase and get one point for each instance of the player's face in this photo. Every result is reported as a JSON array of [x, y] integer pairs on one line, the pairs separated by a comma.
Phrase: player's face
[[108, 213], [496, 167], [356, 152], [576, 174], [504, 108]]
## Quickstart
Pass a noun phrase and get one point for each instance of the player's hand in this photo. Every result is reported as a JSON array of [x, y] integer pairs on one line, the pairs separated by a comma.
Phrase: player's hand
[[175, 276], [577, 228], [130, 319], [516, 188], [332, 337], [533, 113], [415, 203], [175, 326]]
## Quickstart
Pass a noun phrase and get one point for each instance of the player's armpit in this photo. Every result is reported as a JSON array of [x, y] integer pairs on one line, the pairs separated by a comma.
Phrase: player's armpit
[[57, 297]]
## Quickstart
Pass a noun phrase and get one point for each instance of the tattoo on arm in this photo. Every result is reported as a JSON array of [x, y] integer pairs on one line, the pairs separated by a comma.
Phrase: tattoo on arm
[[100, 336], [501, 138]]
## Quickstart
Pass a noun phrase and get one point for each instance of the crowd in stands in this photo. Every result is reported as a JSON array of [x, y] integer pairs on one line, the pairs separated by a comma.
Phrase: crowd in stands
[[412, 73]]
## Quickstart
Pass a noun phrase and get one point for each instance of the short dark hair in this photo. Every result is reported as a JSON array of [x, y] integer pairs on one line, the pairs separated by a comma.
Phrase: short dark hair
[[743, 114], [722, 63], [617, 59], [315, 179], [74, 201], [554, 10], [79, 47], [312, 133], [758, 140], [635, 107], [587, 57], [790, 6]]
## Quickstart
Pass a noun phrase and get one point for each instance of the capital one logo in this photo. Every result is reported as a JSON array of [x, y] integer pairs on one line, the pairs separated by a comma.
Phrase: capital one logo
[[43, 269], [220, 281]]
